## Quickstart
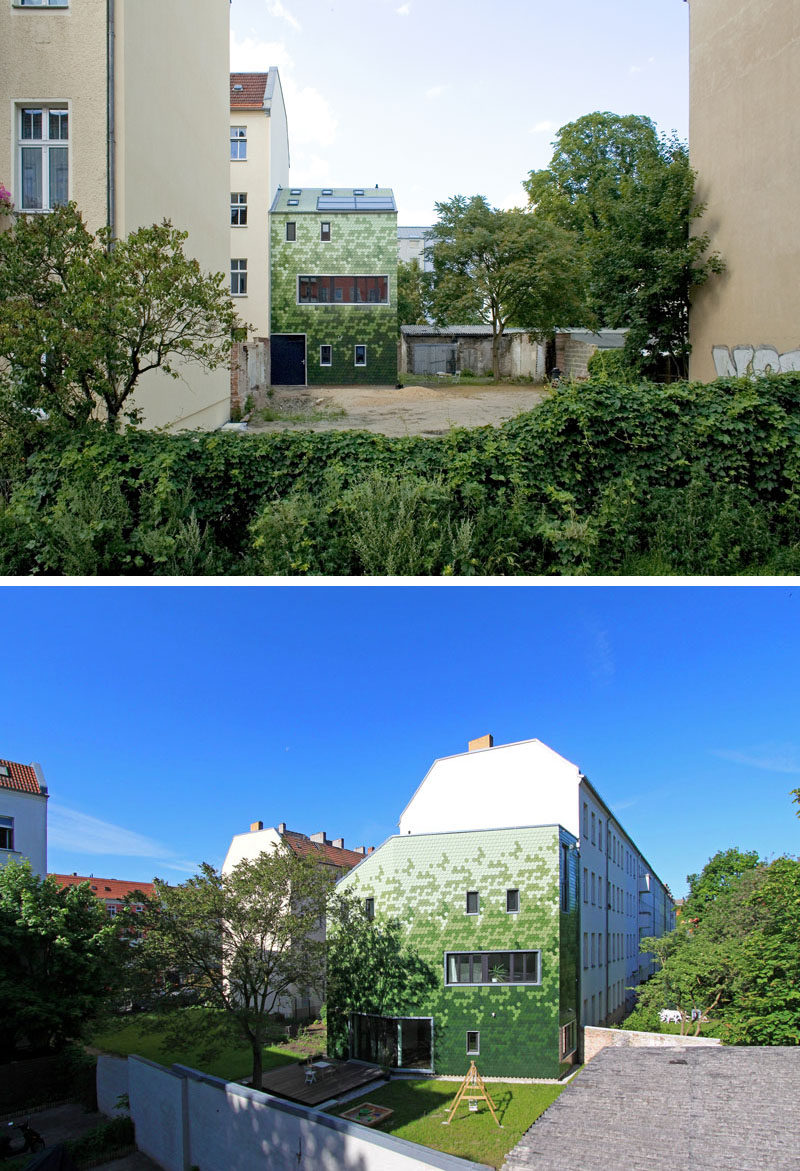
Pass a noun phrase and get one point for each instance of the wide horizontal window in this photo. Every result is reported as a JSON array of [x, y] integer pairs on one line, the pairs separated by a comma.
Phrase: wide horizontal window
[[493, 967], [343, 290]]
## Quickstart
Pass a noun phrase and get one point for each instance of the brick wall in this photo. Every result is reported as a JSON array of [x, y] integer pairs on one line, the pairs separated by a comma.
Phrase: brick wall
[[595, 1039]]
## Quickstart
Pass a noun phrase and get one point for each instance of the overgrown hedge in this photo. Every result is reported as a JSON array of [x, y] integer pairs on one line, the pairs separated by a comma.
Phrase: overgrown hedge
[[603, 477]]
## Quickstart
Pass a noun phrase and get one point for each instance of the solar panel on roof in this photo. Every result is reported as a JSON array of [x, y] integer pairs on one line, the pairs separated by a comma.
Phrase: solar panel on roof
[[375, 203], [336, 203]]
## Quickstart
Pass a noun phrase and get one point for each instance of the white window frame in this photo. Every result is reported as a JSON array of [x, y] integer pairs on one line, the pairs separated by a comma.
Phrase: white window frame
[[44, 145], [240, 272], [238, 205], [239, 139], [329, 348], [356, 348]]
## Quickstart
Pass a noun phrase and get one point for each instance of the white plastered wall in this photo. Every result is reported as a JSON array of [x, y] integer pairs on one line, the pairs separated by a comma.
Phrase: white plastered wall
[[29, 811]]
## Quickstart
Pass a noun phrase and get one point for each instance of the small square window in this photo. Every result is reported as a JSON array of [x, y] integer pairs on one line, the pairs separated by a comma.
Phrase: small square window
[[369, 908], [473, 1042], [512, 901], [325, 230], [473, 903], [295, 191], [291, 230], [294, 202], [4, 770], [326, 359], [360, 355]]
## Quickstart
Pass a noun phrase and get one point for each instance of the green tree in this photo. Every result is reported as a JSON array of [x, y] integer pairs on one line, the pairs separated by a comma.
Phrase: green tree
[[503, 268], [241, 941], [83, 317], [370, 968], [60, 958], [413, 294], [719, 875], [629, 194]]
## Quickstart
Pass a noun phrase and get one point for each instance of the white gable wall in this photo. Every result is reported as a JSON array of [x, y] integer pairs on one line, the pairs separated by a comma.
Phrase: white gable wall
[[29, 813], [491, 788], [249, 846]]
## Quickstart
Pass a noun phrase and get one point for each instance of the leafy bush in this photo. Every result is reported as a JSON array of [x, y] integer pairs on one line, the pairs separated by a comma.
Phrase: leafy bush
[[611, 366], [105, 1139]]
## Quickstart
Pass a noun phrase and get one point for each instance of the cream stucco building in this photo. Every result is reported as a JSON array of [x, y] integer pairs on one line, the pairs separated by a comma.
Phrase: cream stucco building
[[259, 164], [743, 141], [122, 106]]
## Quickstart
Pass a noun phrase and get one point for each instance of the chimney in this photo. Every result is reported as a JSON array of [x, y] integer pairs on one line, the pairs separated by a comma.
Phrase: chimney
[[370, 849], [486, 741], [321, 838], [338, 843], [282, 828], [255, 826], [359, 850]]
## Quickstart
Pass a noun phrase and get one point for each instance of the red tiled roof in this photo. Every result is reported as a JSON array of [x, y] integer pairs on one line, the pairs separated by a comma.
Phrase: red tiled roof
[[20, 776], [251, 95], [331, 855], [105, 888]]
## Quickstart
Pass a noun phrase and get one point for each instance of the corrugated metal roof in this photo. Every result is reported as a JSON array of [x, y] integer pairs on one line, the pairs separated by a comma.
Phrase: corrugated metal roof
[[454, 330], [334, 200]]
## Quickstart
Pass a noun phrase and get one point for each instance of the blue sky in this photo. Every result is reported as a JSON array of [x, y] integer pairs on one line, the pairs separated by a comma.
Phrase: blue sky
[[442, 97], [168, 718]]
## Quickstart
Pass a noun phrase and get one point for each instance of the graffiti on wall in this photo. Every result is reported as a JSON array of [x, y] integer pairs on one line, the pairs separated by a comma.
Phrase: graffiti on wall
[[741, 361]]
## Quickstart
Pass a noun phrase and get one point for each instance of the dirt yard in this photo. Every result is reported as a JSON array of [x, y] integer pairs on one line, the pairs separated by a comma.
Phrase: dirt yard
[[389, 410]]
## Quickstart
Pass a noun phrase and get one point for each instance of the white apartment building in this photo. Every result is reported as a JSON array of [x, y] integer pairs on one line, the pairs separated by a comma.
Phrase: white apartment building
[[122, 106], [23, 814], [621, 899], [259, 164]]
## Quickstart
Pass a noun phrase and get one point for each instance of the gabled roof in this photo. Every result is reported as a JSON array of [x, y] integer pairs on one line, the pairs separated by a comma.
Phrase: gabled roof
[[21, 777], [105, 888], [247, 90], [329, 854], [333, 200]]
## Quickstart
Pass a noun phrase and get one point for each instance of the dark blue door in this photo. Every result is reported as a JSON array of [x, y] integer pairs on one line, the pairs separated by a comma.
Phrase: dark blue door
[[288, 354]]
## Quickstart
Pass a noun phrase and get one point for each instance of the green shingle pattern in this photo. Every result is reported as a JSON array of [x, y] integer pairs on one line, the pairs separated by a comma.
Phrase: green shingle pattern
[[422, 880], [360, 245]]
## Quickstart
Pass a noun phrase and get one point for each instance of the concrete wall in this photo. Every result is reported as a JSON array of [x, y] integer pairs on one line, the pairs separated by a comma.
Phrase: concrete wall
[[112, 1082], [184, 1117], [29, 811], [595, 1039], [744, 102]]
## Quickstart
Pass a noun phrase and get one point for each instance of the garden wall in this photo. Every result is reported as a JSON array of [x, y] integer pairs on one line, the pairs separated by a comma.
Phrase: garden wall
[[595, 1039], [185, 1118]]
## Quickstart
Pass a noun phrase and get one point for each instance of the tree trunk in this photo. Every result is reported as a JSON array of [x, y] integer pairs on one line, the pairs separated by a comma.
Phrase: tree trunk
[[258, 1065], [495, 355]]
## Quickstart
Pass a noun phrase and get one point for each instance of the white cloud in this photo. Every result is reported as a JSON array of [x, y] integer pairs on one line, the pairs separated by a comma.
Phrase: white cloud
[[276, 9], [435, 91], [310, 116], [403, 10], [544, 127], [772, 758], [80, 833], [253, 56]]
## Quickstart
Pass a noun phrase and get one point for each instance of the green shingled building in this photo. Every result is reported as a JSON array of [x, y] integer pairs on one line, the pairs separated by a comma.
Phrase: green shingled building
[[495, 915], [333, 286]]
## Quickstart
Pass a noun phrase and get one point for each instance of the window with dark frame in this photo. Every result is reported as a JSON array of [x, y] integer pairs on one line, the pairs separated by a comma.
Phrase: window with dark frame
[[493, 967], [473, 1043], [568, 1039], [512, 901], [238, 209], [369, 908], [360, 358], [343, 290], [6, 833], [325, 230], [326, 359], [473, 902], [291, 230]]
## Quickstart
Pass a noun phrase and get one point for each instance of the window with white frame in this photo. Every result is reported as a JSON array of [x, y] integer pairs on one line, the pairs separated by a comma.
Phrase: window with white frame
[[473, 1043], [43, 157], [238, 143], [239, 277], [6, 833], [326, 355], [40, 3], [360, 358], [238, 209]]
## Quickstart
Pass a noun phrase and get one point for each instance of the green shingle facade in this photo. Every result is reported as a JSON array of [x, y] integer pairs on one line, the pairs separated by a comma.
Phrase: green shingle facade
[[423, 880], [362, 243]]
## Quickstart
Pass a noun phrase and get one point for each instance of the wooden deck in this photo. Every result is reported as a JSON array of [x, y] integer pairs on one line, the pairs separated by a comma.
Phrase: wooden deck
[[289, 1081]]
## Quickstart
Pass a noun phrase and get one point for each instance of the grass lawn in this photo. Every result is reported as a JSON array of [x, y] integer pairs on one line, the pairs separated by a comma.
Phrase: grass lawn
[[233, 1061], [420, 1108]]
